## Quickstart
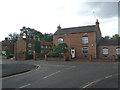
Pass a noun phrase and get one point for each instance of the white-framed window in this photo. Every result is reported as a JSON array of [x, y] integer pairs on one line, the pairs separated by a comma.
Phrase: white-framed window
[[105, 51], [4, 52], [41, 46], [118, 51], [29, 52], [85, 50], [42, 51], [29, 45], [85, 39], [60, 40]]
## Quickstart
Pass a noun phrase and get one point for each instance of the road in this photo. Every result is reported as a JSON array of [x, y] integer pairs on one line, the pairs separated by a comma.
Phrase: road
[[60, 74]]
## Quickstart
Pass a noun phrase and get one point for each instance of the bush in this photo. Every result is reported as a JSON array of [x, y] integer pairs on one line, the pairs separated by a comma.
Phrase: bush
[[54, 54], [11, 55]]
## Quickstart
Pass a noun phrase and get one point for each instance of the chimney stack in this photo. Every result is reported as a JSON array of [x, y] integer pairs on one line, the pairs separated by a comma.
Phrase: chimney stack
[[38, 39], [97, 23], [58, 28], [34, 37], [21, 35]]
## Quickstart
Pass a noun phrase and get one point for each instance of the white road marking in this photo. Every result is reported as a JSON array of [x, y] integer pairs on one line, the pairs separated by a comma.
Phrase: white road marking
[[25, 86], [57, 65], [108, 76], [91, 83], [71, 67], [51, 75]]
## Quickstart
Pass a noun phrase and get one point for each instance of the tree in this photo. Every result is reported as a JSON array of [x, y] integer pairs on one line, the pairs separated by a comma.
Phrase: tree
[[61, 48], [116, 36], [13, 37], [37, 47]]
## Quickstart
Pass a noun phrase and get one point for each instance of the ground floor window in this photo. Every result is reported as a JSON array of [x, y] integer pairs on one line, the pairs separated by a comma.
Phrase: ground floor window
[[85, 50], [118, 51], [105, 51], [29, 52]]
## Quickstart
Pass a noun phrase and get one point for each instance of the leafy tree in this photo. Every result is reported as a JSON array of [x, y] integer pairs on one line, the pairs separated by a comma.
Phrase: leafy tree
[[61, 48], [7, 53], [13, 37], [47, 37], [37, 47], [116, 36]]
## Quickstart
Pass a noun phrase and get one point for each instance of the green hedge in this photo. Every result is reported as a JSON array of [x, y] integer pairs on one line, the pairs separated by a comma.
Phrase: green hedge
[[53, 54]]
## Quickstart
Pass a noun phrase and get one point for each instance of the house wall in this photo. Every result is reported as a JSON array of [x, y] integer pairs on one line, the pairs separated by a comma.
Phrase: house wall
[[20, 50], [111, 52], [75, 41], [8, 45]]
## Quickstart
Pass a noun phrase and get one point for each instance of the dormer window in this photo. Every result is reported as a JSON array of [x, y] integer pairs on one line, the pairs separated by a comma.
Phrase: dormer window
[[60, 40], [85, 40]]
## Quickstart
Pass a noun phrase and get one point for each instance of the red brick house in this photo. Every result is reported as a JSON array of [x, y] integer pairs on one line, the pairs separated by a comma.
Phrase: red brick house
[[83, 42], [109, 48], [7, 44], [25, 47]]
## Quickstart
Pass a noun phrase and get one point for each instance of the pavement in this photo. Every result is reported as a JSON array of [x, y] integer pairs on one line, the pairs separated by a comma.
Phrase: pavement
[[60, 74], [13, 69]]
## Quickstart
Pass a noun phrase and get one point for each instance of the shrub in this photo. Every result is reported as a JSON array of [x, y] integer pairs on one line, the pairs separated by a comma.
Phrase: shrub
[[11, 55], [54, 54]]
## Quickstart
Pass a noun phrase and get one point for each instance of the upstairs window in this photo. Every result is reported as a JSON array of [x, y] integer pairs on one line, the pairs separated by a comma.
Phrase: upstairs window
[[85, 50], [118, 51], [105, 51], [60, 40], [41, 46], [84, 40], [29, 45], [29, 52]]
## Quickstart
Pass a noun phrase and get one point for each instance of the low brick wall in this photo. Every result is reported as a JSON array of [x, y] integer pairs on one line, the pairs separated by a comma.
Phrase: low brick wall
[[40, 55], [93, 60], [54, 59]]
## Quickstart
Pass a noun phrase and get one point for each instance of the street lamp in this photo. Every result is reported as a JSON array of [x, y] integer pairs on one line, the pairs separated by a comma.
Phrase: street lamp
[[68, 45]]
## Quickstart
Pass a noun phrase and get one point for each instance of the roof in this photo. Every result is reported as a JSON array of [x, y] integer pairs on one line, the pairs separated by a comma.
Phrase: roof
[[82, 29], [109, 42]]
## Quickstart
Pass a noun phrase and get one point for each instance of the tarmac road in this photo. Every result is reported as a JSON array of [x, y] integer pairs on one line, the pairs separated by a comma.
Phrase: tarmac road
[[53, 74]]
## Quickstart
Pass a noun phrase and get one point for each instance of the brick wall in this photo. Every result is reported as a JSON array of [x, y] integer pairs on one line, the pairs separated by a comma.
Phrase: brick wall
[[20, 50], [111, 52], [76, 42]]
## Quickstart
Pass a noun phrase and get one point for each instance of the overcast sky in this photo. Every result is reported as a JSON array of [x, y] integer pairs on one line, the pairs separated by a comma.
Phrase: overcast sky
[[46, 15]]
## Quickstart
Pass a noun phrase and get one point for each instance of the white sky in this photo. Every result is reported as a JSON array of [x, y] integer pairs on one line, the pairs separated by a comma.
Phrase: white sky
[[46, 15]]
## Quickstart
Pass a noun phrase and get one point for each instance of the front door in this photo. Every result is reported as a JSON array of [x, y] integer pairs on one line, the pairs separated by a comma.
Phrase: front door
[[73, 53]]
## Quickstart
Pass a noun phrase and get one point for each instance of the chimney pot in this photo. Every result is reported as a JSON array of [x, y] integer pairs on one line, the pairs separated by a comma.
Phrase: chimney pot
[[97, 23], [59, 27]]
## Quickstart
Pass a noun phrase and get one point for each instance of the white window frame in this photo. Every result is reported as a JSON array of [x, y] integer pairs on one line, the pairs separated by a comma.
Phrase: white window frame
[[105, 51], [29, 45], [41, 46], [118, 51], [85, 40], [83, 48], [60, 40], [29, 52]]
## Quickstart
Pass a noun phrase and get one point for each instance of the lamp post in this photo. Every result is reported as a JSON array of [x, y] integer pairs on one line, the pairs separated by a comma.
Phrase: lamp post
[[68, 45]]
